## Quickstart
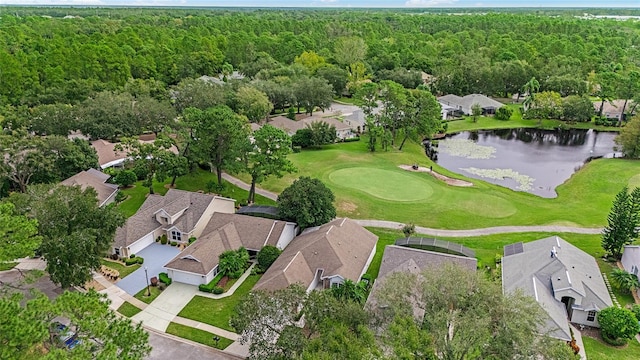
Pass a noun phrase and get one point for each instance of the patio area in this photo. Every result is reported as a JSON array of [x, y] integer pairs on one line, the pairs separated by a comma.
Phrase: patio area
[[155, 256]]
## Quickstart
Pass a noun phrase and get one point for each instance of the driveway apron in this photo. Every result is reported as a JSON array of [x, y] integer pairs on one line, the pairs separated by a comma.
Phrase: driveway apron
[[166, 306], [155, 256]]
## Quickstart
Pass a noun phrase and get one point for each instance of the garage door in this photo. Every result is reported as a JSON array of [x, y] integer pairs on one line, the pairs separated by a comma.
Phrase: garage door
[[184, 277], [141, 244]]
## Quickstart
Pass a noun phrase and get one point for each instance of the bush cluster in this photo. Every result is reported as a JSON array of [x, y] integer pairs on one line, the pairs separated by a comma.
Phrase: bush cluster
[[133, 260], [212, 285], [164, 278], [163, 239], [356, 138], [173, 243]]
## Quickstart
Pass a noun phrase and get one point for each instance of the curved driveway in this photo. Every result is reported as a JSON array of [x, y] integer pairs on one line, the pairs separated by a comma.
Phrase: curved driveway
[[439, 232]]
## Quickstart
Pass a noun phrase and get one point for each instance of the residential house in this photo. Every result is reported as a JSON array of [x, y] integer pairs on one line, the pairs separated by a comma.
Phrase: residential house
[[322, 257], [108, 156], [106, 192], [613, 109], [198, 263], [563, 279], [220, 79], [343, 131], [415, 261], [179, 215], [631, 260], [464, 104]]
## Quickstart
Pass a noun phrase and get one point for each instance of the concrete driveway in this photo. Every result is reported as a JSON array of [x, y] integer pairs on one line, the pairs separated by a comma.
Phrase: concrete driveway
[[155, 256], [166, 306]]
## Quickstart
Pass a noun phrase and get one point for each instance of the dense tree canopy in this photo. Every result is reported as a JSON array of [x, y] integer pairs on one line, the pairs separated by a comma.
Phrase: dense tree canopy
[[307, 202]]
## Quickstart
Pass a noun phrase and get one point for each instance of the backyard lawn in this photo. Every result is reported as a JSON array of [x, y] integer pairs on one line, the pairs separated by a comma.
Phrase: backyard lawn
[[197, 335], [142, 294], [121, 268], [597, 350], [371, 186], [127, 309], [217, 312], [196, 181]]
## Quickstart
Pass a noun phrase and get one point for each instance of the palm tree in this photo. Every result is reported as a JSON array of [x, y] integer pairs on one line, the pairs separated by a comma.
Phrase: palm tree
[[624, 281], [530, 88]]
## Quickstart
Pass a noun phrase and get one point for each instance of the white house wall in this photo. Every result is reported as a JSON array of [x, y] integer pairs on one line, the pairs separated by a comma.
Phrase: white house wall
[[366, 266], [288, 233], [631, 258], [580, 317], [189, 278]]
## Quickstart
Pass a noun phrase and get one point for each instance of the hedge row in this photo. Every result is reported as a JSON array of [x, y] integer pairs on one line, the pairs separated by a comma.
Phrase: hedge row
[[133, 260], [212, 286]]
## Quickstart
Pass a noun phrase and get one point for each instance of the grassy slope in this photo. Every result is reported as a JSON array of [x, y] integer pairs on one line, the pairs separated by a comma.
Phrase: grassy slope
[[584, 200], [597, 350], [197, 335], [219, 311]]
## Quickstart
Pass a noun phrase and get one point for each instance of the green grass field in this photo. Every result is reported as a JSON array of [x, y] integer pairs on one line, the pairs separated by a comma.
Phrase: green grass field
[[371, 186], [196, 181], [597, 350], [217, 312], [127, 309], [142, 294], [197, 335]]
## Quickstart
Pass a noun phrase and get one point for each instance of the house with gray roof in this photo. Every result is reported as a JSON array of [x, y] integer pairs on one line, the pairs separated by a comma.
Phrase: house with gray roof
[[198, 263], [414, 261], [343, 130], [179, 215], [465, 103], [563, 279], [322, 257], [106, 193], [631, 260]]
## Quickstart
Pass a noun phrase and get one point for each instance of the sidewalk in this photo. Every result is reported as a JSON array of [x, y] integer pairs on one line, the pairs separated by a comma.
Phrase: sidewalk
[[243, 185], [117, 295]]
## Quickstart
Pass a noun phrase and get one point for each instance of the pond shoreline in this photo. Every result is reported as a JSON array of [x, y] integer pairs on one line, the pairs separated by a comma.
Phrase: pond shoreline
[[443, 178]]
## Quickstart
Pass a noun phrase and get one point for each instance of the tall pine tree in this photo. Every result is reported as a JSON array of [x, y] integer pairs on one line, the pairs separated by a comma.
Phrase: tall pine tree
[[623, 221]]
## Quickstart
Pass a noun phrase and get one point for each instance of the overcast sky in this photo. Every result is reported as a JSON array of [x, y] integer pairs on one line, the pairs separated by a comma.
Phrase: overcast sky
[[343, 3]]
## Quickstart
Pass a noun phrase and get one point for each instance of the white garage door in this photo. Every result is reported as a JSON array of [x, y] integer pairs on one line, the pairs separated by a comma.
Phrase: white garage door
[[141, 244], [184, 277]]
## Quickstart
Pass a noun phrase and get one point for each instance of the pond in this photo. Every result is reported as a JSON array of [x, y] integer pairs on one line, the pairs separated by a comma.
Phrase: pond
[[531, 160]]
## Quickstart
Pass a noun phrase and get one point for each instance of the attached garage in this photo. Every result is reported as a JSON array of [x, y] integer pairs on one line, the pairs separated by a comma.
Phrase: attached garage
[[188, 277], [140, 244]]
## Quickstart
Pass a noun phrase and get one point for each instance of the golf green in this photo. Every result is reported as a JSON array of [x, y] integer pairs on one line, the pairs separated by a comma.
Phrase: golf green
[[383, 184]]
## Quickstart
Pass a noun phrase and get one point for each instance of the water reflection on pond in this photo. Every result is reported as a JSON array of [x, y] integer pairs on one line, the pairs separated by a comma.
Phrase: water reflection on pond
[[531, 160]]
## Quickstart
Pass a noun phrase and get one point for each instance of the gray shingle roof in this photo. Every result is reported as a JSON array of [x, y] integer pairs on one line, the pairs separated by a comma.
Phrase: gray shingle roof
[[466, 102], [144, 220], [95, 179], [340, 247], [226, 232], [537, 274]]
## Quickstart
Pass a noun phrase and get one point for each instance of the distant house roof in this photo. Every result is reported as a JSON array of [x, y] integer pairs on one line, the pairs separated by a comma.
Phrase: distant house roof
[[340, 247], [612, 109], [226, 232], [219, 79], [95, 179], [108, 156], [466, 102], [191, 204], [531, 268], [291, 126]]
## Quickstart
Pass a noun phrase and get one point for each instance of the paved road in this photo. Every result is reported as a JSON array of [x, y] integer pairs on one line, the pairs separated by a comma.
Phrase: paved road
[[167, 346], [439, 232]]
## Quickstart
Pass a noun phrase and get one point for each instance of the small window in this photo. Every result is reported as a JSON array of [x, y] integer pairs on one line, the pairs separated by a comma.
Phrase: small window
[[176, 236], [591, 316]]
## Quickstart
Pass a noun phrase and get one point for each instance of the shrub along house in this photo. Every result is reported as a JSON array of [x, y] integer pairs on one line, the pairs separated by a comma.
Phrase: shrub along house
[[198, 263], [179, 215], [322, 257], [563, 279]]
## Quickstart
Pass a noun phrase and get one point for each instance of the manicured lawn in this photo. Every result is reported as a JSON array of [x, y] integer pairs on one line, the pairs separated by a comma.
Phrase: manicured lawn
[[197, 181], [367, 193], [597, 350], [122, 269], [486, 247], [128, 310], [217, 312], [142, 294], [7, 265], [623, 298], [197, 335]]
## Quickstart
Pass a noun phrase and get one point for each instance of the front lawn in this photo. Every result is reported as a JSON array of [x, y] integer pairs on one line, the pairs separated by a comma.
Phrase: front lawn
[[127, 309], [142, 294], [197, 335], [217, 312], [121, 268], [597, 350]]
